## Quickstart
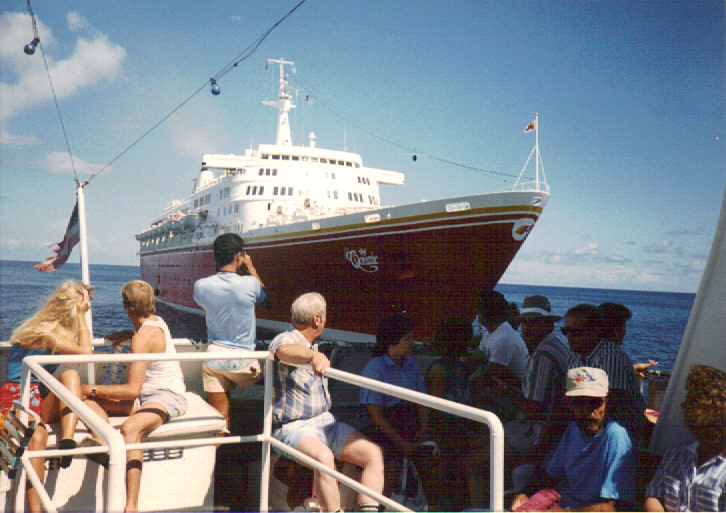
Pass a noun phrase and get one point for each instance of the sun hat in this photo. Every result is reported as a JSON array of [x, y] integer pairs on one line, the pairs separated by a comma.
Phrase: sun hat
[[587, 381], [535, 307]]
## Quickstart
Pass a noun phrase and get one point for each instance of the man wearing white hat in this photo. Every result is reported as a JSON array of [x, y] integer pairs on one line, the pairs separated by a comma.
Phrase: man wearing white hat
[[543, 387], [593, 467]]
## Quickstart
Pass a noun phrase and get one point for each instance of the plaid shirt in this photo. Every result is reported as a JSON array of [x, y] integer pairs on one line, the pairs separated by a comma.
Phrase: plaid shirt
[[609, 357], [298, 393], [680, 486]]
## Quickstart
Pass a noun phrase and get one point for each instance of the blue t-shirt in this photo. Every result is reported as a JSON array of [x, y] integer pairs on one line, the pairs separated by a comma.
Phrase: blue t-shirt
[[15, 362], [593, 469], [382, 368], [229, 303]]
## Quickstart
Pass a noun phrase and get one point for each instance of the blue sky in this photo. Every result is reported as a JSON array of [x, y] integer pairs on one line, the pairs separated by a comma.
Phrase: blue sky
[[630, 97]]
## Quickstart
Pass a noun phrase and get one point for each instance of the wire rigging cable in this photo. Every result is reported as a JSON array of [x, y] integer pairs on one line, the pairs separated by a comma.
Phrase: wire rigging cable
[[30, 50], [504, 176], [246, 53]]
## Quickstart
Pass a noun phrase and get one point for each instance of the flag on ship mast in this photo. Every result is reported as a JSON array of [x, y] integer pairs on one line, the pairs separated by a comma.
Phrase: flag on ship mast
[[530, 127], [63, 251]]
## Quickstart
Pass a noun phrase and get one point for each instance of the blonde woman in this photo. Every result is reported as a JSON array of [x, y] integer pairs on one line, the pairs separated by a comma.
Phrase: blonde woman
[[59, 327]]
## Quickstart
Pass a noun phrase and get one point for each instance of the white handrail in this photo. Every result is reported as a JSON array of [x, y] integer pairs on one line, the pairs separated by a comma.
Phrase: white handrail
[[117, 447], [112, 438]]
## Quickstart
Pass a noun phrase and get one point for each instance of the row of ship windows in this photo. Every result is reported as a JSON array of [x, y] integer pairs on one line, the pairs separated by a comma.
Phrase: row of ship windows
[[322, 160], [357, 196], [255, 190]]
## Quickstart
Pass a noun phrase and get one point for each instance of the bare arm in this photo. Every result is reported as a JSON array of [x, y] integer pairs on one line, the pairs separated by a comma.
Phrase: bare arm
[[653, 504], [375, 412], [300, 355], [149, 339]]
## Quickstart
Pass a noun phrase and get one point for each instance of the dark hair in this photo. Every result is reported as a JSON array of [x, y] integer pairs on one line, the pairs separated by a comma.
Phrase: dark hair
[[390, 331], [586, 312], [493, 307], [226, 246], [454, 335]]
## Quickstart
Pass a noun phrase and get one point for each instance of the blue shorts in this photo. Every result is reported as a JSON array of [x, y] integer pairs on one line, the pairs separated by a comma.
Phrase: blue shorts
[[324, 427]]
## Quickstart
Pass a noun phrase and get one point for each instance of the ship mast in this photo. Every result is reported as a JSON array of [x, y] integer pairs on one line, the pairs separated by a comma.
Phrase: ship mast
[[283, 104]]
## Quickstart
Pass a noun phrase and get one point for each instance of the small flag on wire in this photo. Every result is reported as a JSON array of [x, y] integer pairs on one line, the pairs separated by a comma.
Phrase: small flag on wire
[[63, 251], [530, 127]]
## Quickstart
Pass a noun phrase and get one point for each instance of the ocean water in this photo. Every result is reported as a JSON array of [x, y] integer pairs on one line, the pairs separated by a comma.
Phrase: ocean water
[[654, 332]]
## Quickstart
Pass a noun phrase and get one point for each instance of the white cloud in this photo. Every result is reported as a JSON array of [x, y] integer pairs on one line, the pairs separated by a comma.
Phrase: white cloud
[[17, 140], [92, 61], [10, 243], [589, 249], [60, 163], [663, 247]]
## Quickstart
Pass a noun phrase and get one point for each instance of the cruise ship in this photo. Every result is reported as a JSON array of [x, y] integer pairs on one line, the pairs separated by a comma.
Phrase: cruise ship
[[312, 220]]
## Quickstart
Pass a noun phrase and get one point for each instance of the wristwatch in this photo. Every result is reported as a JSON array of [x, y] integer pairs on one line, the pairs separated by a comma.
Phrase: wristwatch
[[94, 390]]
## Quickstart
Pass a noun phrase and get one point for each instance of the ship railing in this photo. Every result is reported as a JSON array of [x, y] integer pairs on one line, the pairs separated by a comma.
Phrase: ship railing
[[532, 185], [117, 448]]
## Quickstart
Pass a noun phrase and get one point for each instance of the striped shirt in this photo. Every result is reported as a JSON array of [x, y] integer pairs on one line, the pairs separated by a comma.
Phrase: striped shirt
[[546, 370], [681, 486], [609, 357], [298, 392]]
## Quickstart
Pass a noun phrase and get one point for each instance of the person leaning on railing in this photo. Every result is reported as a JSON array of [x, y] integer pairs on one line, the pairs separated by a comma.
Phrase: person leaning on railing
[[301, 407], [59, 327]]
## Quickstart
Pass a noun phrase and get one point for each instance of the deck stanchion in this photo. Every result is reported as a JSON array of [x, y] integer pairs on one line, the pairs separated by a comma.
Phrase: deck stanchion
[[267, 433]]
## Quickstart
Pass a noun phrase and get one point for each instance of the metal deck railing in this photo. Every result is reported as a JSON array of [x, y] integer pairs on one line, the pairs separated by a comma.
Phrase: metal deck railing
[[117, 448]]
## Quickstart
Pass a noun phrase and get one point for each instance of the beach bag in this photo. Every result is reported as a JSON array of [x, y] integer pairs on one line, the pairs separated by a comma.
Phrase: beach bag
[[410, 491]]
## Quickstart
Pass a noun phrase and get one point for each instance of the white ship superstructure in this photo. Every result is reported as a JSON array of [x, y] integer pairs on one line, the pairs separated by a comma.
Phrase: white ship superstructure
[[273, 185]]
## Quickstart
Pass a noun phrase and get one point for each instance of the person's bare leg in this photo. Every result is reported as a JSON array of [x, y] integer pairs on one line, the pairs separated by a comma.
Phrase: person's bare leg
[[326, 487], [69, 419], [38, 442], [220, 402], [144, 420], [360, 451]]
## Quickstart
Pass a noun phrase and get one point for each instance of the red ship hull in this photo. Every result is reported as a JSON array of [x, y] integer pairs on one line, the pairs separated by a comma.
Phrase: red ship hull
[[430, 265]]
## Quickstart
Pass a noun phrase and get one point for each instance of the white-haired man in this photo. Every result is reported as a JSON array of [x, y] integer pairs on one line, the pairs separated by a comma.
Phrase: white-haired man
[[301, 411]]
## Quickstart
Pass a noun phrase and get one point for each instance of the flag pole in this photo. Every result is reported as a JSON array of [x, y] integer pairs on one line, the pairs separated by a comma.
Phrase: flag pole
[[536, 145], [85, 274]]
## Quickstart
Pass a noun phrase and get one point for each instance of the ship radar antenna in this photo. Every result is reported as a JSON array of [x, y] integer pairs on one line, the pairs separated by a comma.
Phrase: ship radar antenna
[[283, 104]]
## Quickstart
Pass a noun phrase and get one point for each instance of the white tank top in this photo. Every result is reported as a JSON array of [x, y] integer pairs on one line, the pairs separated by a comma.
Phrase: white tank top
[[164, 375]]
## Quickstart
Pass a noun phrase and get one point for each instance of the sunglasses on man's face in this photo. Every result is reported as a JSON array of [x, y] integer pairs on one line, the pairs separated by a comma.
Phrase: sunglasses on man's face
[[575, 332], [589, 403]]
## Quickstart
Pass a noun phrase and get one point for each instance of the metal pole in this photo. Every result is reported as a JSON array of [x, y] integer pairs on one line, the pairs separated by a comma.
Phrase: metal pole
[[267, 433], [85, 273], [536, 145]]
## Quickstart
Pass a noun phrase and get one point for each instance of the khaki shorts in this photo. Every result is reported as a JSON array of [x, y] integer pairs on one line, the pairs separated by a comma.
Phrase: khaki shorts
[[241, 373]]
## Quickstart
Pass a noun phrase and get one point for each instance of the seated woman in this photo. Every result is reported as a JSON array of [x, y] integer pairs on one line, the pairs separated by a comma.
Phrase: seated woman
[[396, 425], [59, 327], [447, 378]]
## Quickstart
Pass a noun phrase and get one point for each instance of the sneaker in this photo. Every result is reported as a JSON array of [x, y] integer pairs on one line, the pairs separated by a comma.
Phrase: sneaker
[[100, 458], [66, 443]]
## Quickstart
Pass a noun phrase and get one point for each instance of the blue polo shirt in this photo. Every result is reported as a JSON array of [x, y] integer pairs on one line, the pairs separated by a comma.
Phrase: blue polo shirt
[[382, 368]]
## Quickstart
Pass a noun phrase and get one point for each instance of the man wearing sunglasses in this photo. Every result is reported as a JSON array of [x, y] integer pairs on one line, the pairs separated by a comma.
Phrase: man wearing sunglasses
[[593, 467], [583, 331]]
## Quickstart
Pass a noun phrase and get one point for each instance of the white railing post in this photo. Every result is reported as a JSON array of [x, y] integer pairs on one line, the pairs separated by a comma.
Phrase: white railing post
[[117, 448], [267, 433]]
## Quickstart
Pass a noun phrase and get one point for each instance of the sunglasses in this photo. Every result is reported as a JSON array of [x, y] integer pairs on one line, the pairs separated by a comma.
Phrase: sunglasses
[[573, 331], [589, 403]]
